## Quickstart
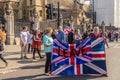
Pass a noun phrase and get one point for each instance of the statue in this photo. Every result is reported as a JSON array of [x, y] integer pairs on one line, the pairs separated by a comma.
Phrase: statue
[[9, 9]]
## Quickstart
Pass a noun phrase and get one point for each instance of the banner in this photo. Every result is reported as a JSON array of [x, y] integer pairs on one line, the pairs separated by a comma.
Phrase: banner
[[87, 57]]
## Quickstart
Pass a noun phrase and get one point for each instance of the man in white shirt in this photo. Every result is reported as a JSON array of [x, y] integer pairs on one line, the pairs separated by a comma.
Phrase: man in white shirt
[[24, 42]]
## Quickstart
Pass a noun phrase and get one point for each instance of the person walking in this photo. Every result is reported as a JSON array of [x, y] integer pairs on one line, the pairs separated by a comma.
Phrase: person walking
[[37, 42], [2, 40], [48, 41], [116, 36], [109, 36], [24, 42]]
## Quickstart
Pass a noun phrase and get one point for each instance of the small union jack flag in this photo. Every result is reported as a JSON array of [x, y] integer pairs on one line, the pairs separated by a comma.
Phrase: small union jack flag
[[87, 57], [67, 30]]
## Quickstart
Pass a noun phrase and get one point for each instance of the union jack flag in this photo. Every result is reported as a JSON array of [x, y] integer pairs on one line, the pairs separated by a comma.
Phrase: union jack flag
[[67, 30], [87, 57]]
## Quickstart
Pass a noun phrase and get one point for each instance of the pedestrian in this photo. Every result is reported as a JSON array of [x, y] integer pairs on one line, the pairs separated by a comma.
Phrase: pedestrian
[[71, 37], [61, 36], [116, 36], [54, 33], [37, 42], [5, 37], [24, 42], [78, 36], [48, 41], [2, 40], [85, 35], [109, 36], [30, 36], [96, 34]]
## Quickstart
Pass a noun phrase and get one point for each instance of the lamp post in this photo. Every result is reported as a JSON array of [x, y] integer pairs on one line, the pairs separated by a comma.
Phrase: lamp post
[[58, 23], [82, 23], [92, 12], [103, 26]]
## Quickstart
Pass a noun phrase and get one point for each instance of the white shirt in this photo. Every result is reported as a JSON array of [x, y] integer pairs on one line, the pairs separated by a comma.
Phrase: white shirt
[[24, 36]]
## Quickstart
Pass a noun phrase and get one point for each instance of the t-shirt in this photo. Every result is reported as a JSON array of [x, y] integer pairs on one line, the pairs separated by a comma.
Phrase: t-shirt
[[47, 40], [24, 37]]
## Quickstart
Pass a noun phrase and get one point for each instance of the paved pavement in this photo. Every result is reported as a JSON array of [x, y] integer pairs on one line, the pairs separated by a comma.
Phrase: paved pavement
[[34, 70]]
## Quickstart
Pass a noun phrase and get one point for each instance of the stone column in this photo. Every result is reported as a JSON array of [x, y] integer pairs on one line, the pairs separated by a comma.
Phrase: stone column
[[36, 24], [9, 16], [36, 21]]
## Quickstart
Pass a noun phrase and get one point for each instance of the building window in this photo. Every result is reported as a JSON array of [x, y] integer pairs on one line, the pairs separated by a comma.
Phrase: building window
[[30, 2], [40, 13]]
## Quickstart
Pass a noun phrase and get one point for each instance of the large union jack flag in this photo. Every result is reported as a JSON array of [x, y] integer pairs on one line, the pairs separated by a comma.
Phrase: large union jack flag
[[87, 57]]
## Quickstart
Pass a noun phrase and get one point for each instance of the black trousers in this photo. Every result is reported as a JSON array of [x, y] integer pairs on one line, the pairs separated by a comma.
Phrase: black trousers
[[30, 48], [2, 58], [48, 62], [34, 51]]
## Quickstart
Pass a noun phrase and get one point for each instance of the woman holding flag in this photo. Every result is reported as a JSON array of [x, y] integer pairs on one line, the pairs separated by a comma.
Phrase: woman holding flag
[[96, 34], [37, 42]]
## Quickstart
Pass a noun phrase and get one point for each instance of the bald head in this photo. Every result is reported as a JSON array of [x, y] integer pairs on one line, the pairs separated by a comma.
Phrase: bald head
[[60, 28]]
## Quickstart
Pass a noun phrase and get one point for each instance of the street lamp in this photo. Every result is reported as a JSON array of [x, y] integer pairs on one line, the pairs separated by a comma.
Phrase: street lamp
[[58, 24], [92, 12], [103, 26], [82, 24]]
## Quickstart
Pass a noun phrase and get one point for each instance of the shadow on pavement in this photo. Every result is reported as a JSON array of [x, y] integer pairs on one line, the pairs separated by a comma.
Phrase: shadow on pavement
[[25, 77], [12, 59], [53, 78], [32, 67], [10, 53], [2, 67], [26, 61]]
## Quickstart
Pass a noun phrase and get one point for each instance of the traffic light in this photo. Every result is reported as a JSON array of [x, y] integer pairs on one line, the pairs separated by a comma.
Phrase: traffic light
[[49, 11]]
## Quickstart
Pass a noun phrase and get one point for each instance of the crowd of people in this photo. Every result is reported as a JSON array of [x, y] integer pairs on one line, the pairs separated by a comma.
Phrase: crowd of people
[[35, 39], [31, 41]]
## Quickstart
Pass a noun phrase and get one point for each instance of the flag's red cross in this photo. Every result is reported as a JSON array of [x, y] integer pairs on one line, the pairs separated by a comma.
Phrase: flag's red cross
[[72, 53]]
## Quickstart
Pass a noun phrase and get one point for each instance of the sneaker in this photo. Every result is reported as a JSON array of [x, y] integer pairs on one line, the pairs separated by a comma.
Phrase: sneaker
[[25, 57], [47, 74]]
